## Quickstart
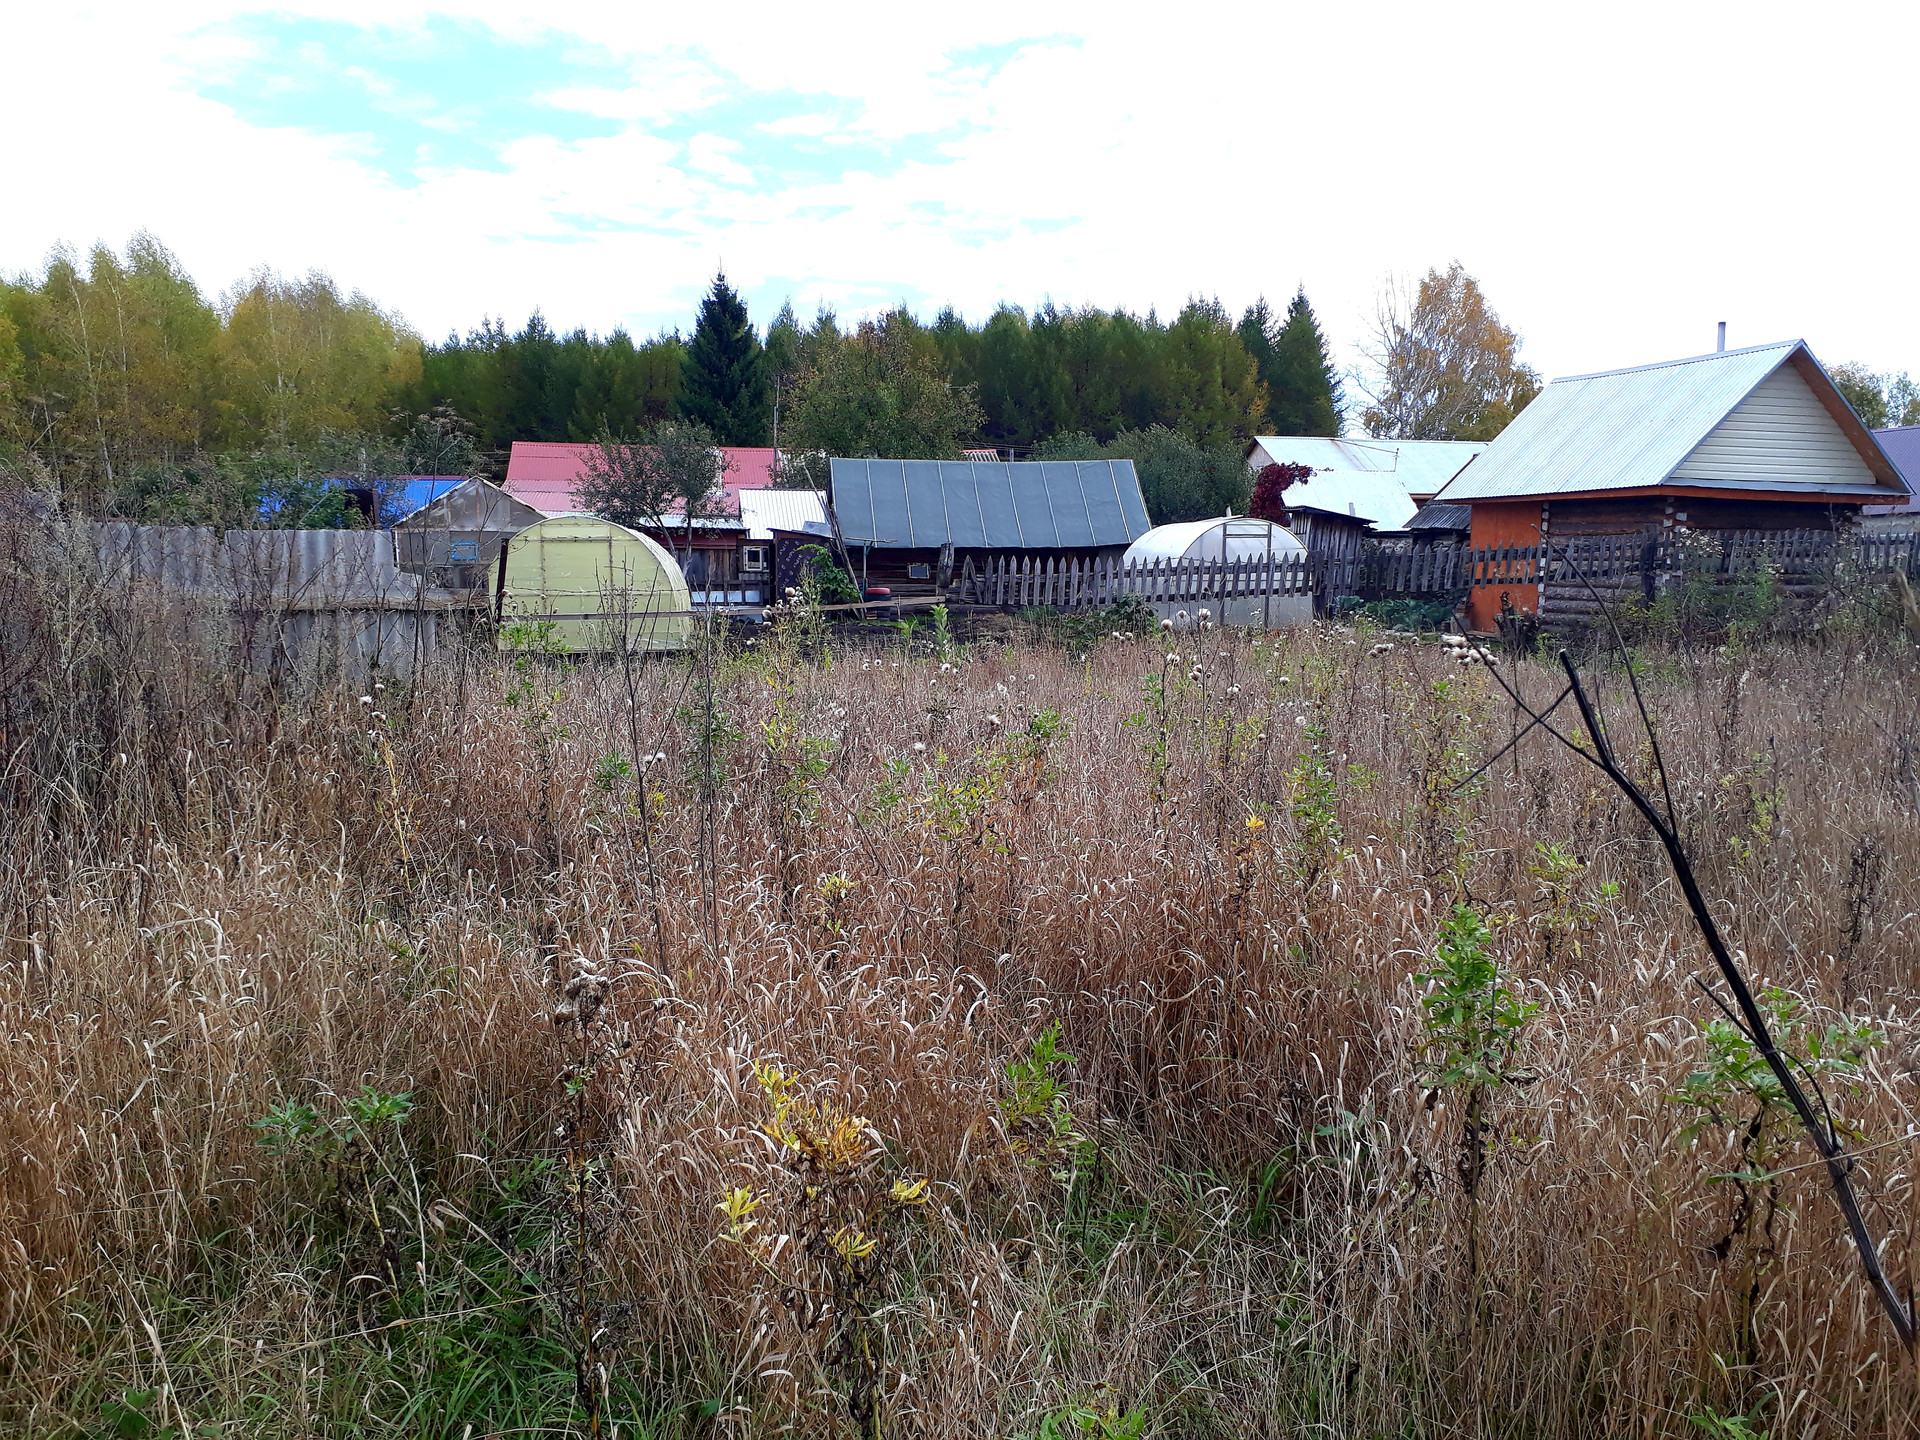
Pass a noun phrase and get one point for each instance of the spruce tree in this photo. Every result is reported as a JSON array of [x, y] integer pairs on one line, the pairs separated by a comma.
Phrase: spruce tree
[[724, 386], [1308, 376], [1303, 387], [1256, 332]]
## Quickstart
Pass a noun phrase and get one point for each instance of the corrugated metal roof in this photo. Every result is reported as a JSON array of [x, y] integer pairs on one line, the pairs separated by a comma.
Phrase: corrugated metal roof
[[419, 491], [1421, 466], [1620, 429], [547, 474], [1023, 505], [1902, 447], [765, 511], [1375, 495], [1438, 515]]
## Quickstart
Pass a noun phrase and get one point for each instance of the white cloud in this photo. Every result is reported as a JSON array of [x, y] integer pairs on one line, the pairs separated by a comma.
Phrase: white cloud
[[713, 155], [800, 125], [669, 91], [1619, 178]]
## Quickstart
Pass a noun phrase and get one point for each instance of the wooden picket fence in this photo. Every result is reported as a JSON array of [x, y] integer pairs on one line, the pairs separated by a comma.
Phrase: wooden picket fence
[[1803, 558], [1807, 560], [1016, 582]]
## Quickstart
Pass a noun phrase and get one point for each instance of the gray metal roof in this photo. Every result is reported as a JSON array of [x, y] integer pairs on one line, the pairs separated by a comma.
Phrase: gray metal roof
[[1902, 445], [1420, 467], [1439, 515], [1022, 505], [765, 511], [1375, 495], [1626, 429]]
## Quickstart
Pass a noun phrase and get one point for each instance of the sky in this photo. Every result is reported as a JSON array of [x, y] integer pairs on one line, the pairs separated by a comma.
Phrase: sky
[[1619, 177]]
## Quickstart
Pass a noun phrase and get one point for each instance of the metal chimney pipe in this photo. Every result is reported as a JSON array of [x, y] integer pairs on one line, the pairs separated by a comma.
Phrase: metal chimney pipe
[[1721, 347]]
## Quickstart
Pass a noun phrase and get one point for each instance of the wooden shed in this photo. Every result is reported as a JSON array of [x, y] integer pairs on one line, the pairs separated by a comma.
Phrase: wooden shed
[[1754, 439], [907, 524], [454, 541]]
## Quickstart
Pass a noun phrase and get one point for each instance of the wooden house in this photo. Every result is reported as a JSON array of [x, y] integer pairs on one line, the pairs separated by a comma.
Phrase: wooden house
[[1740, 439], [910, 525], [714, 552], [779, 524]]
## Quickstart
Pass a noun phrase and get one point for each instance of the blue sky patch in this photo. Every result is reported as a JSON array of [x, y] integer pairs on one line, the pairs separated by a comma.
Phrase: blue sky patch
[[452, 95]]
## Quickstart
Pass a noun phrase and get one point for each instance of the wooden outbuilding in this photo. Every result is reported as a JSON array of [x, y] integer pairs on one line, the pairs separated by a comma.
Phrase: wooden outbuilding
[[1753, 439], [717, 553], [453, 541], [908, 525]]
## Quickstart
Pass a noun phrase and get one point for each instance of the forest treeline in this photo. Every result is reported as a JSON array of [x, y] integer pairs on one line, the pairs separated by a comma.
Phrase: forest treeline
[[147, 397]]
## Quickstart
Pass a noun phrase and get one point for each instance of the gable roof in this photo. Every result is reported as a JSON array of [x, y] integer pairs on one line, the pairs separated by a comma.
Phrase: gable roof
[[1420, 466], [1902, 445], [1766, 418], [419, 491], [1018, 505], [1372, 495], [473, 505], [546, 474], [765, 511]]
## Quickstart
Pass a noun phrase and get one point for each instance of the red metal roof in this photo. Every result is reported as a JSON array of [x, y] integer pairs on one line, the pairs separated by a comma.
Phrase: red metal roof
[[546, 474]]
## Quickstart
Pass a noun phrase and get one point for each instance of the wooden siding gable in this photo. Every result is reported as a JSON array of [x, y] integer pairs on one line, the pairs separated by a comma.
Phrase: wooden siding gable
[[1780, 436]]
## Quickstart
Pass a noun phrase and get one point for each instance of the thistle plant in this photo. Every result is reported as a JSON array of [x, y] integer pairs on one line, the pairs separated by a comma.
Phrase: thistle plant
[[1154, 722], [1316, 823], [796, 764], [535, 701], [1564, 912]]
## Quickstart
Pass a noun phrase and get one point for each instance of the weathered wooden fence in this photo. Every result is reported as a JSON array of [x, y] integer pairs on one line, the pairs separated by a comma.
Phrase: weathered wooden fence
[[1020, 582], [1400, 567], [1575, 573], [1578, 576]]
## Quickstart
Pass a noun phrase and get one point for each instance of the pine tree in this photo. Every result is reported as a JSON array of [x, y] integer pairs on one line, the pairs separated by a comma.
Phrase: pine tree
[[724, 386], [1304, 387]]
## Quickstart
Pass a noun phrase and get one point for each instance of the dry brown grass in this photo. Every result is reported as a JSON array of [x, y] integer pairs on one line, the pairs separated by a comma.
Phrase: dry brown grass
[[277, 898]]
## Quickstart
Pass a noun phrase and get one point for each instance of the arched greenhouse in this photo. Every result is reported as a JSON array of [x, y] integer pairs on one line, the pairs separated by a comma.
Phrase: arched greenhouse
[[1232, 537], [582, 584]]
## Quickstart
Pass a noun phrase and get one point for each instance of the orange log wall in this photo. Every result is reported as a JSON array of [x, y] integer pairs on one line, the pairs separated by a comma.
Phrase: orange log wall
[[1517, 523]]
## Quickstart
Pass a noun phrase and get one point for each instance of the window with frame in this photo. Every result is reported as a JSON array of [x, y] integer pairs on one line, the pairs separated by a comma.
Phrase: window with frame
[[753, 557]]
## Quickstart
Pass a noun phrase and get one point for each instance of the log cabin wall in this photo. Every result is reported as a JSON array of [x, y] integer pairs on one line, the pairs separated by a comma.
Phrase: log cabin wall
[[1496, 523], [1628, 514]]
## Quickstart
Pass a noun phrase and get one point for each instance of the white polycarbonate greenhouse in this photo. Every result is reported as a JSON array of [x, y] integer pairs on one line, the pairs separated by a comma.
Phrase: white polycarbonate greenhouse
[[1233, 537], [1236, 537]]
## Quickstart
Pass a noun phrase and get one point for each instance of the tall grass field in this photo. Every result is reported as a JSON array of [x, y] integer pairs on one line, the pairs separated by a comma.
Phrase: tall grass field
[[1118, 1034]]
